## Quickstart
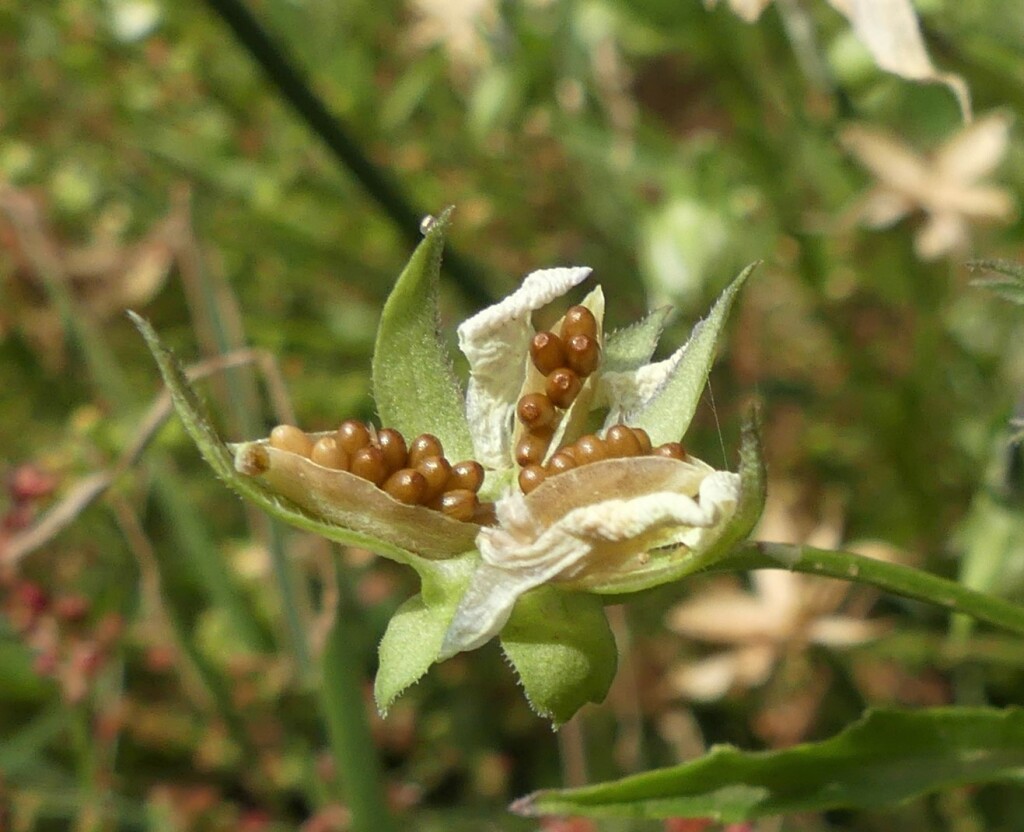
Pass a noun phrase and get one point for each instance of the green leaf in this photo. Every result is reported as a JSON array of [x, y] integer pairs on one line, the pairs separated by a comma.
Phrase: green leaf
[[631, 347], [887, 757], [197, 423], [668, 413], [563, 650], [415, 632], [413, 383]]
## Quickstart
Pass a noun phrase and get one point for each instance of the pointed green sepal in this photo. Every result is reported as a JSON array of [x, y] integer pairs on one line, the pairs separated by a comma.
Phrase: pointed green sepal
[[563, 650], [413, 383], [631, 347]]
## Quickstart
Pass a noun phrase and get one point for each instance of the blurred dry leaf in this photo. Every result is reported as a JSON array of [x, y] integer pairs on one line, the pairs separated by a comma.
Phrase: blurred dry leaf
[[890, 31], [944, 184]]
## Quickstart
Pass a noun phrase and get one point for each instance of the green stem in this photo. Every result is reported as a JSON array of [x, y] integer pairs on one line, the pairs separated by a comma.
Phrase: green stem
[[381, 187], [341, 696], [890, 577]]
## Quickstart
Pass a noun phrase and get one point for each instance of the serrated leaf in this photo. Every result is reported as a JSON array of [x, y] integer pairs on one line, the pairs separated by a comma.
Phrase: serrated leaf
[[1010, 282], [668, 413], [563, 650], [887, 757], [197, 423], [414, 635], [631, 347], [413, 383]]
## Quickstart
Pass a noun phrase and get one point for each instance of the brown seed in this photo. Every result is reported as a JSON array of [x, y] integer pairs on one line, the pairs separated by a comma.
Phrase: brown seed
[[582, 354], [560, 463], [466, 475], [562, 387], [459, 504], [435, 470], [484, 515], [407, 486], [589, 449], [535, 411], [530, 477], [368, 463], [621, 441], [353, 435], [531, 447], [392, 443], [578, 321], [423, 446], [290, 438], [328, 452], [672, 450], [643, 439], [547, 352]]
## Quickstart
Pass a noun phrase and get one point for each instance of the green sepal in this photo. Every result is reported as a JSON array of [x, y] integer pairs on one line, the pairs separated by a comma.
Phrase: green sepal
[[563, 650], [667, 415], [413, 638], [887, 757], [1008, 279], [196, 420], [413, 383], [631, 347]]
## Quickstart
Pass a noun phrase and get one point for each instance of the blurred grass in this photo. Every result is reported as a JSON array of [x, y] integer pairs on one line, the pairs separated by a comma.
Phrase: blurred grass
[[663, 144]]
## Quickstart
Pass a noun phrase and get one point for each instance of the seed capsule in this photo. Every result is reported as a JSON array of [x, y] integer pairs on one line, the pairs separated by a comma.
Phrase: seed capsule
[[459, 504], [531, 447], [589, 449], [423, 446], [547, 352], [530, 477], [466, 475], [643, 439], [621, 441], [535, 411], [368, 463], [562, 387], [392, 444], [560, 463], [292, 439], [435, 470], [353, 435], [579, 321], [672, 450], [582, 354], [328, 452], [407, 486]]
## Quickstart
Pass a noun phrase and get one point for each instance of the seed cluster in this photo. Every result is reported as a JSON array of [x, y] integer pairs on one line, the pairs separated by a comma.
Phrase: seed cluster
[[414, 473], [565, 361], [619, 441]]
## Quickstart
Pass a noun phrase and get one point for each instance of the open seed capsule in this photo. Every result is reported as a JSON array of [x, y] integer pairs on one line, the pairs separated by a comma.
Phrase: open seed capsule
[[292, 439], [547, 352], [672, 450], [353, 435], [621, 441], [407, 486], [562, 387], [466, 475], [535, 411], [578, 321], [369, 464], [435, 470], [531, 447], [423, 446], [582, 354], [392, 444], [328, 452], [459, 504], [530, 477]]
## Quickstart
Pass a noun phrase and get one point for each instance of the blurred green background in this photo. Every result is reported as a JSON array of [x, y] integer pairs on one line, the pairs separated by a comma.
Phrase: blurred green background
[[160, 655]]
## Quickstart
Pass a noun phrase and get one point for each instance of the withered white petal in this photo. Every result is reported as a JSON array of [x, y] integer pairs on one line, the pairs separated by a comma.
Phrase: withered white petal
[[528, 549], [496, 343]]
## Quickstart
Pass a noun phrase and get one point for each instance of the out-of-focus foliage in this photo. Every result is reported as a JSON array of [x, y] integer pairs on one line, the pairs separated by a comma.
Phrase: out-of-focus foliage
[[159, 658]]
